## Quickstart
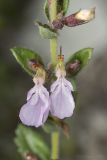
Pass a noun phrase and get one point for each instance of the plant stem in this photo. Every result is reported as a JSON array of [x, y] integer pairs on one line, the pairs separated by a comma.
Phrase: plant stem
[[53, 42], [55, 145], [53, 46], [53, 51]]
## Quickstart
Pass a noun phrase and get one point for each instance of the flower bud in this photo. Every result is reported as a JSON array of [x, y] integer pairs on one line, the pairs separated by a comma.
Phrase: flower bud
[[33, 64], [78, 18], [86, 15], [58, 24], [73, 67]]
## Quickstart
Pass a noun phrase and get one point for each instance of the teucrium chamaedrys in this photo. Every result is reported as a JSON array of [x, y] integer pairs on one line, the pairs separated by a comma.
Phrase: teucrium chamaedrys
[[54, 86]]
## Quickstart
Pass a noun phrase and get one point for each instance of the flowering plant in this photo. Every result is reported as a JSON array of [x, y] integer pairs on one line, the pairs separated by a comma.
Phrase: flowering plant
[[52, 98]]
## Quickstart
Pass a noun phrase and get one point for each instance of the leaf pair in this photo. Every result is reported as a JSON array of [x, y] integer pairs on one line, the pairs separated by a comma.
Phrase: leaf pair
[[80, 58], [73, 66]]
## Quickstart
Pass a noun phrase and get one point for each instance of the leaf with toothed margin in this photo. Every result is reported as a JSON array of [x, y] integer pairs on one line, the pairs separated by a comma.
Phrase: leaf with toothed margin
[[61, 7], [81, 59], [28, 141], [46, 31], [23, 56]]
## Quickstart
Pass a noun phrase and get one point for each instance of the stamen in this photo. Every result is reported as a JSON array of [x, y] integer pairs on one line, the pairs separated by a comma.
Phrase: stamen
[[60, 56]]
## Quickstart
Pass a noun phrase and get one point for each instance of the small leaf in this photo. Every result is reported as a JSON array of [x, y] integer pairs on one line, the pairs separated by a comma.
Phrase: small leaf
[[28, 141], [80, 59], [46, 32], [63, 6], [23, 56], [46, 10]]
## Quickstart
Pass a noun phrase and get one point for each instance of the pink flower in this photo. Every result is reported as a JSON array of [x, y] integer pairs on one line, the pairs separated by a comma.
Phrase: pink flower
[[62, 102], [36, 110]]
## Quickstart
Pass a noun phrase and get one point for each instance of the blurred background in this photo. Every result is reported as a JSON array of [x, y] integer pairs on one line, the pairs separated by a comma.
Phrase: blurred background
[[89, 123]]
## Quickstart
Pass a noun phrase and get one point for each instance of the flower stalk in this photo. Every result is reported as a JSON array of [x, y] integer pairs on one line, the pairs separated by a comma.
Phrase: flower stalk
[[53, 42], [55, 145], [53, 51]]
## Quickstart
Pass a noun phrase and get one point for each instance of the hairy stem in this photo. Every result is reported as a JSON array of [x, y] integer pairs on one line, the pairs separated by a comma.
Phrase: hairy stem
[[55, 145], [53, 47], [53, 51], [53, 42]]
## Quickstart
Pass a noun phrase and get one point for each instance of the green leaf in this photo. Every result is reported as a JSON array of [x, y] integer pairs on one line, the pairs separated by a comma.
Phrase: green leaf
[[63, 6], [23, 56], [28, 141], [83, 57], [46, 10], [46, 32]]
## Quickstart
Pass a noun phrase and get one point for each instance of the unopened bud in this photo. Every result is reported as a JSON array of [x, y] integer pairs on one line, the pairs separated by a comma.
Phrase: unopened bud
[[86, 15], [58, 24], [33, 64], [78, 18], [73, 67]]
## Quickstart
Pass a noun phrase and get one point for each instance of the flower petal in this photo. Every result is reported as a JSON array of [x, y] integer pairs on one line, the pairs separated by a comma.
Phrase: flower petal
[[30, 115], [54, 85], [45, 116], [31, 92], [68, 84], [36, 110], [45, 92], [33, 100], [62, 102], [45, 98]]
